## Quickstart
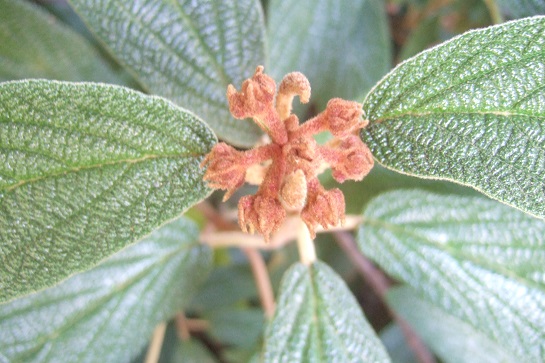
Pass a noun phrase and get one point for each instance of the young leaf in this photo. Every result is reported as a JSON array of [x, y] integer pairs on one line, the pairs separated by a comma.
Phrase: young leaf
[[477, 259], [86, 169], [186, 51], [471, 110], [107, 314], [317, 319], [451, 339], [522, 8], [34, 45], [343, 47]]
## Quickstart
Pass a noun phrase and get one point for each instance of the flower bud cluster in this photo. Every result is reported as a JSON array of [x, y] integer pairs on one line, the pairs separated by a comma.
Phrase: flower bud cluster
[[294, 159]]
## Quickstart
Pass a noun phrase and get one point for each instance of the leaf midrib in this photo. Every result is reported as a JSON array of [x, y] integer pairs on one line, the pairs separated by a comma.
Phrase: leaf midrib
[[514, 166], [97, 166]]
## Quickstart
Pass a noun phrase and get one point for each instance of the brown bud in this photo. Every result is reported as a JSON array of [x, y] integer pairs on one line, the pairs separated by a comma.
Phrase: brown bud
[[294, 190], [343, 117], [260, 213], [255, 98], [354, 162], [225, 168], [325, 208], [293, 84]]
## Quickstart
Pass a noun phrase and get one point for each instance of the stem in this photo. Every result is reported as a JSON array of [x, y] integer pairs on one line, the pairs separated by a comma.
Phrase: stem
[[262, 280], [494, 11], [181, 327], [154, 350], [305, 244], [310, 127], [259, 269], [380, 284]]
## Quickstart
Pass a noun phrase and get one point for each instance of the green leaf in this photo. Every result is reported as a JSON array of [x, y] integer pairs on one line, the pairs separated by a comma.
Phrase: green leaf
[[192, 351], [317, 319], [343, 47], [33, 44], [452, 339], [236, 326], [522, 8], [186, 51], [107, 314], [396, 344], [227, 285], [86, 169], [477, 259], [471, 110]]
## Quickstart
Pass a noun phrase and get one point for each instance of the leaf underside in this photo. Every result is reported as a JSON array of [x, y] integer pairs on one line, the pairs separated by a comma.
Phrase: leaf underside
[[342, 47], [317, 319], [33, 44], [477, 259], [452, 340], [522, 8], [86, 169], [186, 51], [108, 313], [471, 110]]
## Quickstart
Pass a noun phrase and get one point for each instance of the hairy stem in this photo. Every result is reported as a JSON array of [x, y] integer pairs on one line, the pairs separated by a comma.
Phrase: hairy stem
[[380, 284]]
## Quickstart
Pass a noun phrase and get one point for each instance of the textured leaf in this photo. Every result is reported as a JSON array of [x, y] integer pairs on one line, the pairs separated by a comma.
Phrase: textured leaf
[[477, 259], [471, 110], [186, 51], [343, 47], [86, 169], [451, 339], [107, 314], [34, 45], [522, 8], [317, 319]]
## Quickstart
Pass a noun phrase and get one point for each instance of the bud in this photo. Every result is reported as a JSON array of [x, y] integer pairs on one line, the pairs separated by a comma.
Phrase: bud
[[255, 98], [292, 84], [225, 168], [294, 190], [260, 213], [343, 117], [325, 208], [354, 162]]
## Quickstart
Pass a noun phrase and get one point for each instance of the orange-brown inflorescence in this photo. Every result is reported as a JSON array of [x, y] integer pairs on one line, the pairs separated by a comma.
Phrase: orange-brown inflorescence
[[294, 158]]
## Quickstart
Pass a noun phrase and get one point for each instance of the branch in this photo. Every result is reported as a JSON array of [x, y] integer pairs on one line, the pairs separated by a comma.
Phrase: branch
[[262, 280], [380, 284]]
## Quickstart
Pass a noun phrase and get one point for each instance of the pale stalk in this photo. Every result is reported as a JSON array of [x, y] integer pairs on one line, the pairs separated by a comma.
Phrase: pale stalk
[[305, 244], [154, 350]]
